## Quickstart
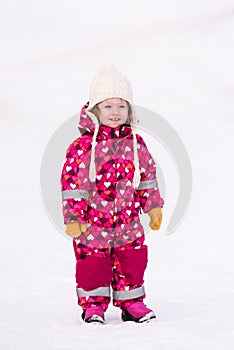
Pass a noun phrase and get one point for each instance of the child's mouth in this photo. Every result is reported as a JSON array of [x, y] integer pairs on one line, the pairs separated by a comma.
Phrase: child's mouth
[[115, 119]]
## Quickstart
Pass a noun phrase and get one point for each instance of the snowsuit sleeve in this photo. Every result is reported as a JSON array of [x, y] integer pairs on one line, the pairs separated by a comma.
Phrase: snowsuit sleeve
[[75, 184], [148, 188]]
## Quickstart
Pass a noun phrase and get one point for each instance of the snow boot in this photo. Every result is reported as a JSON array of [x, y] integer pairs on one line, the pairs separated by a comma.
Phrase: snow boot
[[93, 314], [137, 312]]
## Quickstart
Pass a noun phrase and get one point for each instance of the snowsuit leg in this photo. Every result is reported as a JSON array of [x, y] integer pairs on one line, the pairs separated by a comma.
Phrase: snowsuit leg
[[129, 263], [93, 276]]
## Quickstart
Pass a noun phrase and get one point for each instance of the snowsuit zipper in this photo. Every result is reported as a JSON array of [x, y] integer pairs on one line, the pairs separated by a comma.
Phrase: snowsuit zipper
[[113, 137], [114, 150]]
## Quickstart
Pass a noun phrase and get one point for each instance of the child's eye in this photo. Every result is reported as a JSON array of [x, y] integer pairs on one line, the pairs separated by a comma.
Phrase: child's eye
[[107, 106], [122, 106]]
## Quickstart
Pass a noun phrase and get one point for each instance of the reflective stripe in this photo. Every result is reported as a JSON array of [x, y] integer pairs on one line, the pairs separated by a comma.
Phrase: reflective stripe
[[147, 184], [128, 294], [100, 291], [75, 194]]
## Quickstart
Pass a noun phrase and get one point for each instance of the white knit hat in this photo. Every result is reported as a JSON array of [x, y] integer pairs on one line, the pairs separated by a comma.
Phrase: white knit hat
[[107, 84]]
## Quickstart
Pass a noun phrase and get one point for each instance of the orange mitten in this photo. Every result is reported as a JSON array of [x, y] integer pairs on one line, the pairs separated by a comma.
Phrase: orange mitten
[[74, 229], [155, 218]]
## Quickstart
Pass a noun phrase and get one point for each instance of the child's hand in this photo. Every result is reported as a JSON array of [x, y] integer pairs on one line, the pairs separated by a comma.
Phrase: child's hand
[[155, 218], [74, 229]]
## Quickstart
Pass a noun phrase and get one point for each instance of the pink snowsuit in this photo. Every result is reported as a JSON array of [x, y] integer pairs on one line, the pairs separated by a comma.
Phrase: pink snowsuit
[[112, 250]]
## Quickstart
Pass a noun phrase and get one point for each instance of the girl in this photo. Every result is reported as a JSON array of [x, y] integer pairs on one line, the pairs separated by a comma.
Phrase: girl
[[108, 177]]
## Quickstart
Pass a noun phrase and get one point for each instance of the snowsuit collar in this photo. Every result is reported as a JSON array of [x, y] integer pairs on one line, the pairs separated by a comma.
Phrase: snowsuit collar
[[106, 132]]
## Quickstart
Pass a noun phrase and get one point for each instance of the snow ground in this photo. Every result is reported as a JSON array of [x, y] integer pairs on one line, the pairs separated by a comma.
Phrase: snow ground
[[179, 58]]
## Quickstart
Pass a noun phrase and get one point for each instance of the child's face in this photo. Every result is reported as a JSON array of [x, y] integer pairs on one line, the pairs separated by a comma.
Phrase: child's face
[[113, 112]]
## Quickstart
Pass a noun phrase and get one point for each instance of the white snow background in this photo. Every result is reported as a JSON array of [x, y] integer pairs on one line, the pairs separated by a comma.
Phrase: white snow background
[[179, 57]]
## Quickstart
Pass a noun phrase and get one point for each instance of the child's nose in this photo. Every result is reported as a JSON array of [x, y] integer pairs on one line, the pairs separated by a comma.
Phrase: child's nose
[[115, 110]]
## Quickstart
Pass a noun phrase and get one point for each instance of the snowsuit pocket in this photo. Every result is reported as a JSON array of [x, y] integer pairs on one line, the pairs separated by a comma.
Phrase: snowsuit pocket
[[133, 263], [93, 272]]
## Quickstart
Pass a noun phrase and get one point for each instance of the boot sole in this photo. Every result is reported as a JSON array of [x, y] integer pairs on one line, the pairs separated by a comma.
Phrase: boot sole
[[126, 316], [95, 319]]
